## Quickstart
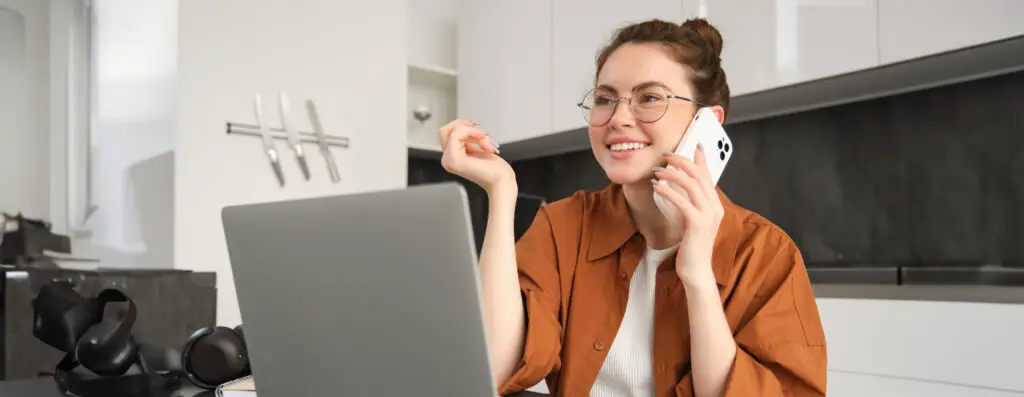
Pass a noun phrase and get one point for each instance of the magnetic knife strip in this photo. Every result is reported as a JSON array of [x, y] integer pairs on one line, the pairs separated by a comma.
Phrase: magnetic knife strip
[[323, 141]]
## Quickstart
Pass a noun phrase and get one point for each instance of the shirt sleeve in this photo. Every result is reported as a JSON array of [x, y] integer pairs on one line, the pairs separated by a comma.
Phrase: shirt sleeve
[[780, 342], [536, 257], [780, 350]]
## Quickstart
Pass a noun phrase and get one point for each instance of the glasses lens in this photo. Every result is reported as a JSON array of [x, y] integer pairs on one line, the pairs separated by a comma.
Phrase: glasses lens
[[598, 107], [649, 104]]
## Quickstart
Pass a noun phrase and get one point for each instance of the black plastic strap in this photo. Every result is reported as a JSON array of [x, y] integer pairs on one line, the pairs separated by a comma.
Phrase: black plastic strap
[[62, 317]]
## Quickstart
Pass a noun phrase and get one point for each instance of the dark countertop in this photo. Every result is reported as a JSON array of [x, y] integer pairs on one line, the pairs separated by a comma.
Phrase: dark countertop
[[954, 282], [942, 293]]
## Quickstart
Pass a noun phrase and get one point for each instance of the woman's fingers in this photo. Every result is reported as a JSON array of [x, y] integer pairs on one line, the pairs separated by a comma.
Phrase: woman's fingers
[[471, 138], [701, 162], [445, 131], [690, 187], [696, 169], [484, 143], [462, 142], [686, 208]]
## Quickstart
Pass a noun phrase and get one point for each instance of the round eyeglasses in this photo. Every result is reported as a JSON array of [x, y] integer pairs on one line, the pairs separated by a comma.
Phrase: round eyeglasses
[[648, 104]]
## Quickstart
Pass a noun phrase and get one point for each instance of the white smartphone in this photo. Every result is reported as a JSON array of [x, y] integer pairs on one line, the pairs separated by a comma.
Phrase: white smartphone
[[705, 130]]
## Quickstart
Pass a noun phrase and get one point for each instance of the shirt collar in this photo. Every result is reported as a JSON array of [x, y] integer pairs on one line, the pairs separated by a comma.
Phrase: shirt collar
[[612, 228]]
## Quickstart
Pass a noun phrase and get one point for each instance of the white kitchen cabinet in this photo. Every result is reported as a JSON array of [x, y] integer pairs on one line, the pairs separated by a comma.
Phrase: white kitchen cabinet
[[847, 384], [504, 63], [582, 28], [914, 28], [432, 74], [524, 65], [768, 44], [973, 344]]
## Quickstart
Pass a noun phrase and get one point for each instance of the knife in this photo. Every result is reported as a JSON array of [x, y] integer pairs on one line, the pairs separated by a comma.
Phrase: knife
[[268, 141], [321, 140], [293, 135]]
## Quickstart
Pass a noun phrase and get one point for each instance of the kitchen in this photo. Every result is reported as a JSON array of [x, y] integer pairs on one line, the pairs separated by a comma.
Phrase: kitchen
[[878, 133]]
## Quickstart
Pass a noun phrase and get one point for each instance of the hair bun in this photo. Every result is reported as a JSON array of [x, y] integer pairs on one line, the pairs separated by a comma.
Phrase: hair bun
[[707, 34]]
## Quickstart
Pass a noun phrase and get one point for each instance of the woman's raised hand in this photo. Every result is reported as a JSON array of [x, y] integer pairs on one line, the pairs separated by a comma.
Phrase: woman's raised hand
[[470, 153]]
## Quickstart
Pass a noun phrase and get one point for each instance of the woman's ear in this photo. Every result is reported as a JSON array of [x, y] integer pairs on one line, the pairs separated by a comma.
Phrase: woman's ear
[[719, 113]]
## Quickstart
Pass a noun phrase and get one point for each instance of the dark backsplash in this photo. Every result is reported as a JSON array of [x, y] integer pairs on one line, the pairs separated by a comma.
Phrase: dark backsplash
[[933, 177]]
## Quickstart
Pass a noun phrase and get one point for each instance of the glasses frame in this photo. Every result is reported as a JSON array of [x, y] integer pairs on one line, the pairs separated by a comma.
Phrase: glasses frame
[[629, 104]]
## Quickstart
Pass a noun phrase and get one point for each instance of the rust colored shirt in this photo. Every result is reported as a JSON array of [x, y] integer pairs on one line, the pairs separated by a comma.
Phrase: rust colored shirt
[[575, 265]]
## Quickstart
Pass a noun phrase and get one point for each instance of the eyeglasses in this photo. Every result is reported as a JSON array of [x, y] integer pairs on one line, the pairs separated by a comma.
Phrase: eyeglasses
[[648, 104]]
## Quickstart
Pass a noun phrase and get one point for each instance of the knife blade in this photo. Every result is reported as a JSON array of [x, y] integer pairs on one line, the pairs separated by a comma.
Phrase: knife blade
[[293, 134], [268, 141], [321, 140]]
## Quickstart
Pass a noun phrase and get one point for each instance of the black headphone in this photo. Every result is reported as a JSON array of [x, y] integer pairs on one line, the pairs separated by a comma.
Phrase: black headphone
[[100, 339], [214, 356]]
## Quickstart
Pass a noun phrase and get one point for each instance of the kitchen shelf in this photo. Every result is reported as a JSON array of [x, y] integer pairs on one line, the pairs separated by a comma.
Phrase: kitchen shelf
[[433, 76]]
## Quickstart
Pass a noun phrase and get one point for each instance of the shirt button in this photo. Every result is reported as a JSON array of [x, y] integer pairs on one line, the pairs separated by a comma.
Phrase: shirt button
[[598, 346]]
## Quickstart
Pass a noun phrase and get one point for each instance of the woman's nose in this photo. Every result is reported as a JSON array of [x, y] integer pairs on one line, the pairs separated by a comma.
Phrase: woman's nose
[[623, 114]]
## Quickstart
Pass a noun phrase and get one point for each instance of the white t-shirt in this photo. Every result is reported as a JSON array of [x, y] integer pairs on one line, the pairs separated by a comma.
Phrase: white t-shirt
[[627, 370]]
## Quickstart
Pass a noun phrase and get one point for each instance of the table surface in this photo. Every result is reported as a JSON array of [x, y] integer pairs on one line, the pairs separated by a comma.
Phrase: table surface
[[47, 387]]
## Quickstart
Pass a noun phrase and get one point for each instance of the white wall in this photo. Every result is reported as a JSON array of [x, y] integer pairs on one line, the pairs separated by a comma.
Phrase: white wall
[[24, 108], [350, 57], [923, 348]]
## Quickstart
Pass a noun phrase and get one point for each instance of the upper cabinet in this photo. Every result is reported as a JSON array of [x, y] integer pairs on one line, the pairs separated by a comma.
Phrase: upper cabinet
[[524, 65], [504, 63], [915, 28], [582, 28], [775, 43]]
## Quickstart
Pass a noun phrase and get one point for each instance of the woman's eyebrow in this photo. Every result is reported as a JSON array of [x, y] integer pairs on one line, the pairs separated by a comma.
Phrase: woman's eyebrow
[[649, 84], [646, 84]]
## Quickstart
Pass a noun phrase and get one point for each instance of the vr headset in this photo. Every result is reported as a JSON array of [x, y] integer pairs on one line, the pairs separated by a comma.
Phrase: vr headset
[[96, 335]]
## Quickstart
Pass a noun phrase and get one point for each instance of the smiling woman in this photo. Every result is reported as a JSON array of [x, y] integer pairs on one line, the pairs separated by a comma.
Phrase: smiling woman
[[716, 302]]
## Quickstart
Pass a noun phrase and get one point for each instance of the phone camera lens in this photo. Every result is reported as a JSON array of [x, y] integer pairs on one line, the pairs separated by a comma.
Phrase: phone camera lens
[[721, 155], [719, 144], [727, 147]]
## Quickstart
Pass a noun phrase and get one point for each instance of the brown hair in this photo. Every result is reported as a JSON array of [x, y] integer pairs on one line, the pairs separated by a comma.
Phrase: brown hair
[[694, 44]]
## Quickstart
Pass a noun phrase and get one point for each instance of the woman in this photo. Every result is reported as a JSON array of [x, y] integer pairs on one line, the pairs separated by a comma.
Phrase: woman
[[603, 296]]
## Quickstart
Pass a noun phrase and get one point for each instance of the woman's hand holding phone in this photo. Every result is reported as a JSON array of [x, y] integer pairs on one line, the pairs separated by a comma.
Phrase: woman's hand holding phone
[[688, 188], [469, 152]]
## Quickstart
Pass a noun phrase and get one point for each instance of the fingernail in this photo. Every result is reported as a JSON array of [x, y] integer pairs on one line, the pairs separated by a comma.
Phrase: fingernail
[[657, 169], [700, 147], [668, 154], [496, 145], [654, 181]]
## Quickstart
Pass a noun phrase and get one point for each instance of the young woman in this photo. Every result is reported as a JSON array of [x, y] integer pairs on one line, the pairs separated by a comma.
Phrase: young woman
[[605, 296]]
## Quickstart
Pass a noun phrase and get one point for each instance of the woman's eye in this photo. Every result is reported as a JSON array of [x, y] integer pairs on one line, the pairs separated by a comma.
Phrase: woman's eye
[[651, 98], [603, 101]]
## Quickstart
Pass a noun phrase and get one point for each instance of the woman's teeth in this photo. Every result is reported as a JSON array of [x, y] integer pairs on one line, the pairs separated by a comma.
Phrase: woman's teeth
[[621, 147]]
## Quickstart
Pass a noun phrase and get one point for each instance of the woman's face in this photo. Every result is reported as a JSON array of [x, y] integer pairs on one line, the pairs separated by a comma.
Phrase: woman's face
[[632, 143]]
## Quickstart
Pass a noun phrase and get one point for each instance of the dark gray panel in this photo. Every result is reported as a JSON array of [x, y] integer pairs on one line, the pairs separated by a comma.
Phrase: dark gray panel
[[928, 178]]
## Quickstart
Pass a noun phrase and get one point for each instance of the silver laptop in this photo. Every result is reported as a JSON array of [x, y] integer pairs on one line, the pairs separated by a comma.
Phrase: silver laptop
[[367, 294]]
